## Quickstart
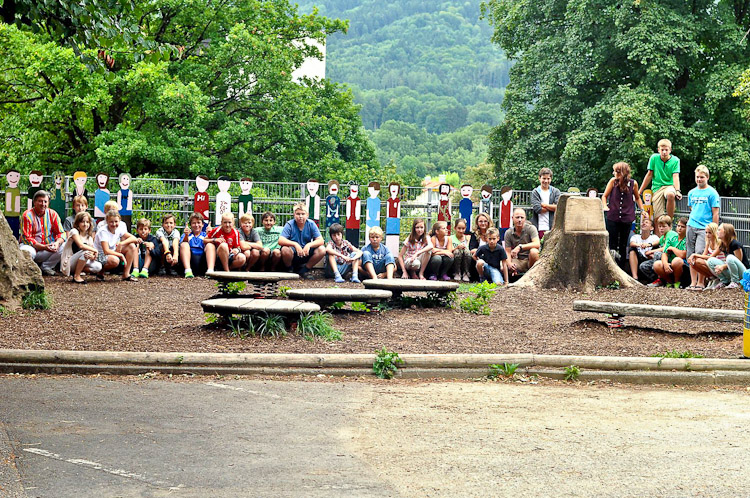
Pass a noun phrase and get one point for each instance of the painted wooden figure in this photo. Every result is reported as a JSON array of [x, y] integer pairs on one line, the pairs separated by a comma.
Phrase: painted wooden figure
[[353, 214], [333, 204], [125, 200], [505, 216], [101, 195], [245, 200], [35, 179], [485, 200], [465, 205], [393, 218], [12, 210], [200, 199], [444, 204], [79, 180], [372, 216], [57, 195], [223, 198], [312, 200]]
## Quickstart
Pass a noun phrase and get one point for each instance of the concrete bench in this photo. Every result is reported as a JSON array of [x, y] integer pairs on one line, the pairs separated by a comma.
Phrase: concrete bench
[[399, 285], [226, 307], [264, 283], [326, 297], [653, 311]]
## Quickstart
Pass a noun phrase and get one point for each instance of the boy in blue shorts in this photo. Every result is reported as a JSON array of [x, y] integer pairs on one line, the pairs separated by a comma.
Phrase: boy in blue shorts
[[704, 203], [491, 257], [342, 256], [377, 260], [192, 249]]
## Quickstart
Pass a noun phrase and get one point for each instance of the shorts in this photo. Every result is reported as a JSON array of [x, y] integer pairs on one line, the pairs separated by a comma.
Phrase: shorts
[[659, 200], [344, 269], [522, 265], [299, 261], [380, 265], [198, 263], [696, 240], [413, 264]]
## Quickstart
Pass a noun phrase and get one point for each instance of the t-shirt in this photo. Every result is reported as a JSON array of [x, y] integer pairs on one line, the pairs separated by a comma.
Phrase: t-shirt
[[492, 258], [733, 246], [637, 238], [250, 237], [142, 248], [411, 249], [171, 237], [457, 242], [195, 241], [702, 201], [544, 217], [346, 248], [309, 232], [381, 254], [68, 223], [663, 171], [270, 238], [671, 239], [112, 239], [232, 238], [102, 225], [528, 233]]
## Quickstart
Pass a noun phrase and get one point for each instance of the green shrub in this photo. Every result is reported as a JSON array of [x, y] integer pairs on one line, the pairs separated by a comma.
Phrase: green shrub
[[311, 325], [386, 363], [504, 370], [37, 299], [572, 373], [479, 303]]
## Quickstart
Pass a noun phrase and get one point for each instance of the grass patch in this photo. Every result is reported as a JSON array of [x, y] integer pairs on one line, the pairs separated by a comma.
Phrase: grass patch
[[678, 354], [312, 325], [479, 303], [37, 299]]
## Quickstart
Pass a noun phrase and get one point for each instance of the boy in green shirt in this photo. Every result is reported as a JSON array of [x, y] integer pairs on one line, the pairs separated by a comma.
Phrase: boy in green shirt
[[269, 236], [664, 170], [672, 263]]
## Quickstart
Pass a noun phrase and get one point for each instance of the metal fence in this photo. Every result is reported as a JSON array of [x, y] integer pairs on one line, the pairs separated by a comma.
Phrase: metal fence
[[154, 197]]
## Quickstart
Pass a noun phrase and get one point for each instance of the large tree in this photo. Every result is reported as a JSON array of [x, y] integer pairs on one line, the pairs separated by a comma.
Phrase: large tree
[[172, 87], [601, 81]]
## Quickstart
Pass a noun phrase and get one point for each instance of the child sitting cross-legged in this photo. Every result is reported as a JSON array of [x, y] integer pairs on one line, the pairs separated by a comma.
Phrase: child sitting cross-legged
[[672, 263], [377, 260], [193, 251], [342, 256], [639, 244], [492, 259]]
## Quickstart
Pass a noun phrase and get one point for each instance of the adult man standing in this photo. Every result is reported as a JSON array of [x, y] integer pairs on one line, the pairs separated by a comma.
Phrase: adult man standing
[[41, 234], [521, 244], [301, 242], [664, 170]]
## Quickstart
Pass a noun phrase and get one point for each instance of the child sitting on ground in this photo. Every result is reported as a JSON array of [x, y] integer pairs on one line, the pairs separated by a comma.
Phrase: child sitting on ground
[[491, 257], [116, 247], [377, 260], [148, 252], [342, 256], [461, 255], [415, 252], [441, 258], [79, 252], [226, 238], [663, 227], [269, 237], [639, 244], [699, 262], [169, 245], [80, 205], [672, 263], [193, 250], [249, 241], [729, 272]]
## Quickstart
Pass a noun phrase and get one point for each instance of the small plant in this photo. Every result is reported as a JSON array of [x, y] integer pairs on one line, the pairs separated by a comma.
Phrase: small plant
[[37, 299], [479, 303], [5, 312], [358, 306], [504, 370], [241, 327], [614, 285], [572, 373], [678, 354], [211, 318], [271, 325], [233, 288], [386, 363], [383, 306], [311, 325], [283, 289], [338, 305]]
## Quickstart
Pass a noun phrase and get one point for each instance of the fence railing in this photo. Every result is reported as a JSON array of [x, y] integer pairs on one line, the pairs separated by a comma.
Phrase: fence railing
[[154, 197]]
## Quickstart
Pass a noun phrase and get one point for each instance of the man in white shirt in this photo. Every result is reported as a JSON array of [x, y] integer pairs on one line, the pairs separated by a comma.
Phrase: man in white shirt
[[544, 202]]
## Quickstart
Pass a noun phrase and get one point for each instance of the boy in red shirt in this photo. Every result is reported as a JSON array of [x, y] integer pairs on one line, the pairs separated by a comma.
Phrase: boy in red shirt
[[226, 238]]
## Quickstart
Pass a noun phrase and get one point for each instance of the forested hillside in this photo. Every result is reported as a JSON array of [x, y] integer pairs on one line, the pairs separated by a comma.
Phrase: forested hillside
[[423, 72]]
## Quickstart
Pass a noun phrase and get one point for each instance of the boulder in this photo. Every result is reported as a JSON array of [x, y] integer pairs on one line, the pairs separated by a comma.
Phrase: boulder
[[18, 272]]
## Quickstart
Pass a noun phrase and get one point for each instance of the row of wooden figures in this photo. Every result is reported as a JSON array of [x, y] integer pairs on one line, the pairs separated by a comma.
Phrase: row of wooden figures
[[223, 201]]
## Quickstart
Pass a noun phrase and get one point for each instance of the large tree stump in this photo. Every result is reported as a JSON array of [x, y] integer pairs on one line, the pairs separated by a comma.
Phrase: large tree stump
[[576, 251], [18, 273]]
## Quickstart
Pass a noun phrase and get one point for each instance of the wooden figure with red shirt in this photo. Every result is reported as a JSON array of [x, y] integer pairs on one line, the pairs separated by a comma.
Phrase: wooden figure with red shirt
[[505, 217], [444, 206], [353, 214], [200, 200]]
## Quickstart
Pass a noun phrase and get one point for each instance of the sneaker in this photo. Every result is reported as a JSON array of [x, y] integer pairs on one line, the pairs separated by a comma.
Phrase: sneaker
[[355, 280], [733, 285], [466, 278], [445, 277], [48, 272], [189, 274], [433, 277], [656, 283], [162, 271], [135, 274], [144, 273], [457, 277], [720, 285], [338, 279]]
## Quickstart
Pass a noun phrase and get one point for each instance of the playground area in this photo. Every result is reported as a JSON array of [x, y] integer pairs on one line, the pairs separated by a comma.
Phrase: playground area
[[164, 314]]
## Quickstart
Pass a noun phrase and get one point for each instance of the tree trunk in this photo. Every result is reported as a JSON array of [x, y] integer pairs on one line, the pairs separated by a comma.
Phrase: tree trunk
[[576, 251], [18, 273]]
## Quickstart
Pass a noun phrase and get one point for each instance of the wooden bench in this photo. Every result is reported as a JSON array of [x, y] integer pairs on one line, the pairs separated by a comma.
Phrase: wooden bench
[[264, 284], [227, 307], [399, 285], [674, 312], [326, 297]]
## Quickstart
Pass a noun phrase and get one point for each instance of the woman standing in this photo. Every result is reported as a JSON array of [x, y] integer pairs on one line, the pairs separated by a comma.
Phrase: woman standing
[[620, 198]]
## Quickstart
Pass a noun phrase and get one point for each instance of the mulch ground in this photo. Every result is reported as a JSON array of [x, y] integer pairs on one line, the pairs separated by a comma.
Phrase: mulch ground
[[164, 314]]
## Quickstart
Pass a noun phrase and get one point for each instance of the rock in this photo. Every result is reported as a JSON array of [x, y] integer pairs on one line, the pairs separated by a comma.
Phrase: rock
[[18, 273]]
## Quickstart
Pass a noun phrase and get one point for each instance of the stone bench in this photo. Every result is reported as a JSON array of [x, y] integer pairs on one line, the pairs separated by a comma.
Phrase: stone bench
[[399, 286], [264, 283], [326, 297], [227, 307]]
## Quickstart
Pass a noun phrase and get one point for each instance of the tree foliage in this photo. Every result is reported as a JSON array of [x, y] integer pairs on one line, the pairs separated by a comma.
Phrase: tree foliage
[[601, 81], [198, 87]]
